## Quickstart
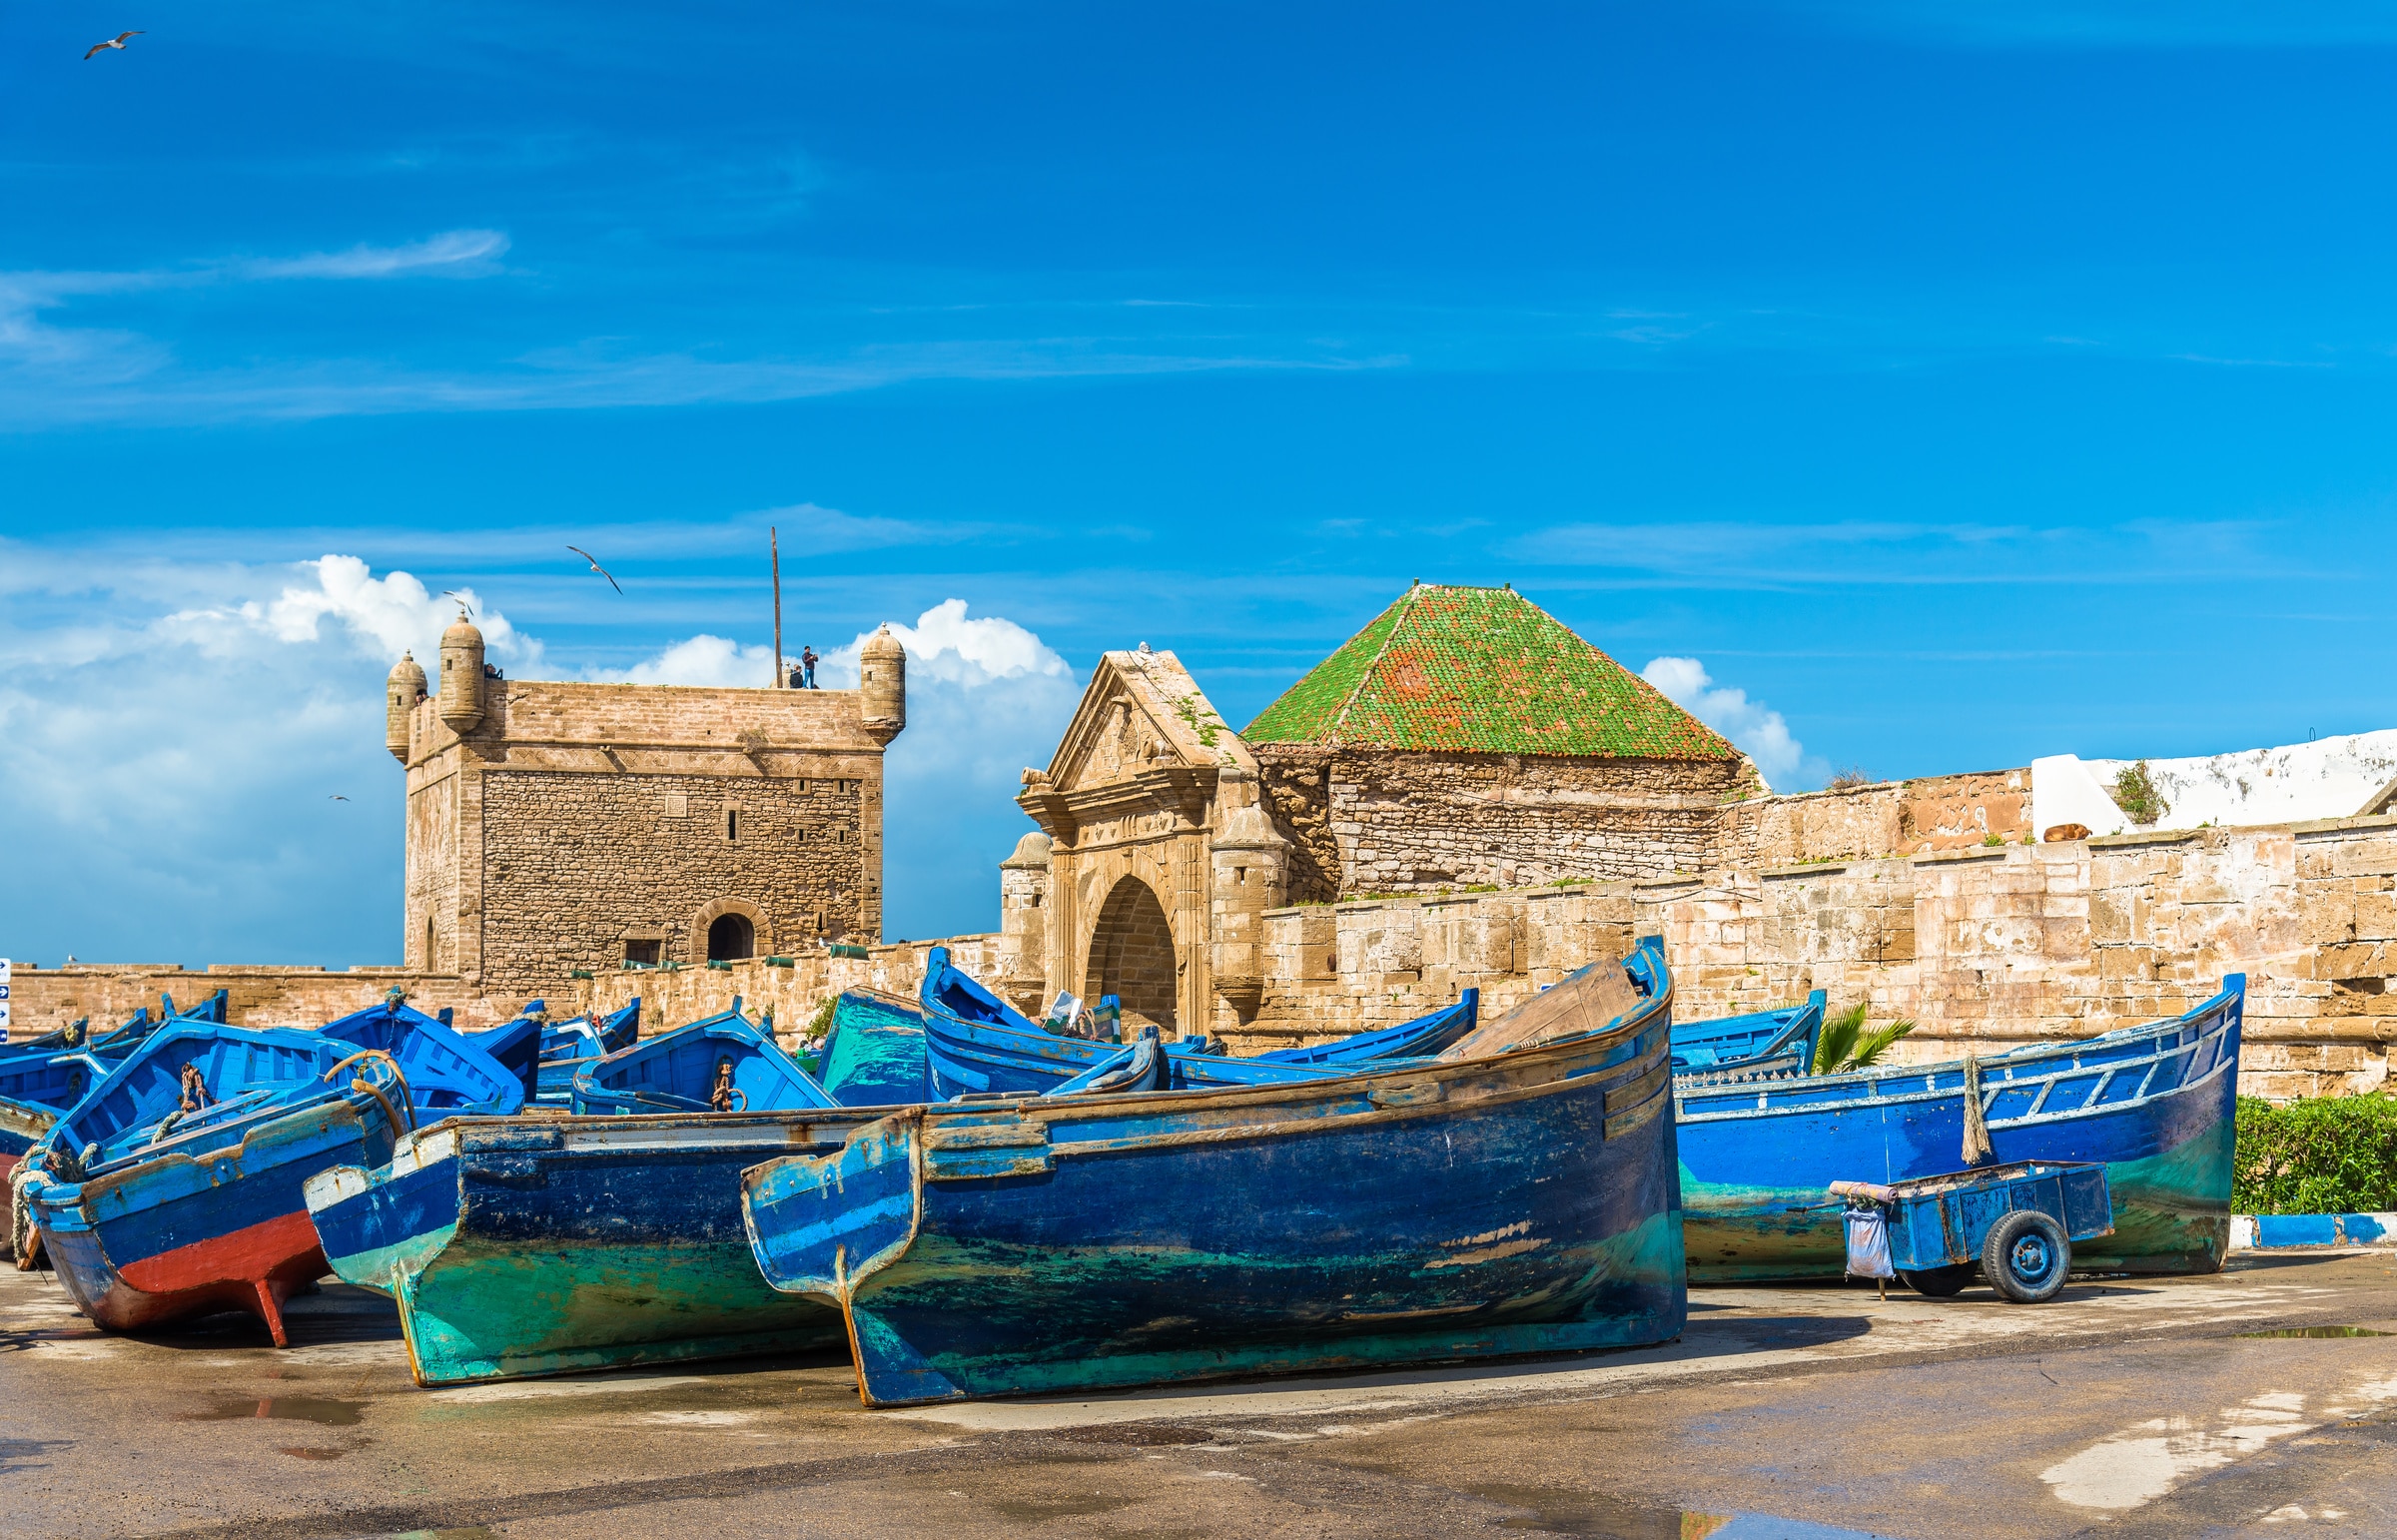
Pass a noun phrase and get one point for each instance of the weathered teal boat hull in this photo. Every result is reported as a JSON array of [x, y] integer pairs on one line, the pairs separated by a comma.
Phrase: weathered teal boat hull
[[517, 1247]]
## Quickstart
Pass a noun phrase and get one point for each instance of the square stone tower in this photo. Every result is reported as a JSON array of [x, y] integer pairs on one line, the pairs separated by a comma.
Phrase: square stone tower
[[560, 826]]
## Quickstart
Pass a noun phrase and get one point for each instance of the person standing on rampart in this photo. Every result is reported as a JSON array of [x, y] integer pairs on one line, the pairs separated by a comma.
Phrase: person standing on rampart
[[807, 665]]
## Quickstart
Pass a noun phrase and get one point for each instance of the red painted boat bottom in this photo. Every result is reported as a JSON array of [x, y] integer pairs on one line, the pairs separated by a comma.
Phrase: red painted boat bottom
[[254, 1269], [8, 1163]]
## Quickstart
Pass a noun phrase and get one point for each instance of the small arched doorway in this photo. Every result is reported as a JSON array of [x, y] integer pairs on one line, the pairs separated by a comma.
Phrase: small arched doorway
[[1132, 956], [730, 937]]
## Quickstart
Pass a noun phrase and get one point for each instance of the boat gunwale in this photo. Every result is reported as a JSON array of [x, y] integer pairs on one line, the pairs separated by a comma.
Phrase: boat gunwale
[[92, 1188], [2046, 1078], [1521, 1067]]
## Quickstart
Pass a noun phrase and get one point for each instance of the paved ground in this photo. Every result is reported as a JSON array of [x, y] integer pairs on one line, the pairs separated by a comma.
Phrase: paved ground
[[2125, 1409]]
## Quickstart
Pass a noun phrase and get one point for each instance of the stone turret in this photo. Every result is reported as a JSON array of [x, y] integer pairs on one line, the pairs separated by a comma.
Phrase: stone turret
[[882, 685], [1249, 864], [461, 676], [402, 691], [1022, 922]]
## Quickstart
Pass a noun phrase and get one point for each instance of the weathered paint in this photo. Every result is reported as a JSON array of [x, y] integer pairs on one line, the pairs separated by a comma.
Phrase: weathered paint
[[518, 1248], [1512, 1204], [1422, 1037], [191, 1231], [874, 1053], [1730, 1043], [1941, 1222], [2265, 1232], [173, 1219], [676, 1072], [978, 1045], [2154, 1103]]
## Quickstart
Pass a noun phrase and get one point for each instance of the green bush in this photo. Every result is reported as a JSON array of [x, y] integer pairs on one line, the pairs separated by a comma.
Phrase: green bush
[[2330, 1155], [2137, 795]]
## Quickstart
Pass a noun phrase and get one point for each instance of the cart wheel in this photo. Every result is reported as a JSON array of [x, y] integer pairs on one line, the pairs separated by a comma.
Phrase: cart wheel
[[2027, 1256], [1942, 1282]]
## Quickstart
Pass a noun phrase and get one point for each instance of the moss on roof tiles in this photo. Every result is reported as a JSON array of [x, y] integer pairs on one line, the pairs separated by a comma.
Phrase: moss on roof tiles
[[1481, 670]]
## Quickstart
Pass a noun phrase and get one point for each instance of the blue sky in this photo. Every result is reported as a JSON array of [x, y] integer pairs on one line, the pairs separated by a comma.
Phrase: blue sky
[[1953, 387]]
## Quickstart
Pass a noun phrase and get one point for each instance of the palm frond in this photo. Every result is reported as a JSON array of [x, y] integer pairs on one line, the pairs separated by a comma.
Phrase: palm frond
[[1838, 1037], [1872, 1045], [1845, 1043]]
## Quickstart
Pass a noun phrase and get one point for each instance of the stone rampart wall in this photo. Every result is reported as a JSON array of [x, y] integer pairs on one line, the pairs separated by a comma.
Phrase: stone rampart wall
[[50, 998], [1887, 818], [1985, 948], [794, 993]]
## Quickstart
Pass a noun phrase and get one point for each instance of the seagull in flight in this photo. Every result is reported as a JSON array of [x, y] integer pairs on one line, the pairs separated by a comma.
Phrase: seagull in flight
[[117, 42], [337, 797], [465, 611], [596, 567]]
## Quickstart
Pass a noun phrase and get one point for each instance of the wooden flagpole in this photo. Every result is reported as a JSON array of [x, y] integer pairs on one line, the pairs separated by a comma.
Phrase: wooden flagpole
[[774, 544]]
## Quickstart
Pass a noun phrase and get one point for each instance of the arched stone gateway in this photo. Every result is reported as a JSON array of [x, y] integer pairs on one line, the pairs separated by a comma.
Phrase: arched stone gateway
[[1147, 867], [1132, 956]]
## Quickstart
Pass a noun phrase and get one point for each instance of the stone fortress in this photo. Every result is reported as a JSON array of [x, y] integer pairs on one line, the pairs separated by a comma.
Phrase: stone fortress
[[557, 829], [1465, 794]]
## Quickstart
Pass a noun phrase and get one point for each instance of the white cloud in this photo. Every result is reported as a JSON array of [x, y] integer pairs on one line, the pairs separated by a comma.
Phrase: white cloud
[[812, 529], [944, 644], [174, 735], [710, 661], [381, 617], [985, 698], [452, 253], [1759, 731]]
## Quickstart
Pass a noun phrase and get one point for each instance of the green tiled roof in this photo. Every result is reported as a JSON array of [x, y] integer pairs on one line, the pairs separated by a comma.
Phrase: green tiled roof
[[1481, 670]]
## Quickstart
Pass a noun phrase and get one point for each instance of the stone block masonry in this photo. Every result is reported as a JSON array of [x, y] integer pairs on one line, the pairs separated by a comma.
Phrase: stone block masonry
[[49, 998], [555, 828], [1371, 821], [1984, 948]]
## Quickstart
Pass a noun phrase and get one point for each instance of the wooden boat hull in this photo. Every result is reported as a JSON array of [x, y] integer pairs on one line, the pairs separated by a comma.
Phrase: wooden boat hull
[[874, 1056], [184, 1235], [22, 1126], [2155, 1104], [520, 1247], [1780, 1041], [1509, 1205], [675, 1072]]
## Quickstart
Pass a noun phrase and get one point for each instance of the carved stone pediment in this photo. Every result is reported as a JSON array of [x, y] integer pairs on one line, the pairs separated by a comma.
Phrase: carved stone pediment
[[1142, 752]]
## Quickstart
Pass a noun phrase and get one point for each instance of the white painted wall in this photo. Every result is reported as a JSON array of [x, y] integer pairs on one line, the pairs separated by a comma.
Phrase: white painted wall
[[2328, 778]]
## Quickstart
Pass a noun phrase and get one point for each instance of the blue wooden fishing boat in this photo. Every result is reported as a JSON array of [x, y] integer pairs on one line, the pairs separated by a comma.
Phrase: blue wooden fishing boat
[[1422, 1038], [570, 1047], [51, 1072], [546, 1055], [978, 1045], [2154, 1103], [174, 1187], [874, 1053], [1778, 1040], [720, 1064], [516, 1246], [1502, 1202]]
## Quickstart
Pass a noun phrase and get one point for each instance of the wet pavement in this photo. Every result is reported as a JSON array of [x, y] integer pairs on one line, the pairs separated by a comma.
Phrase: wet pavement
[[2262, 1401]]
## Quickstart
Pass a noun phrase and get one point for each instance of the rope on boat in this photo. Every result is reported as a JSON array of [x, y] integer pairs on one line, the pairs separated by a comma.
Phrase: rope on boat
[[191, 1097], [359, 1083], [1976, 1127], [24, 1243], [721, 1098]]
